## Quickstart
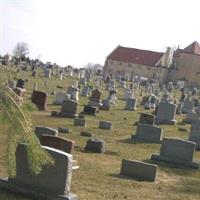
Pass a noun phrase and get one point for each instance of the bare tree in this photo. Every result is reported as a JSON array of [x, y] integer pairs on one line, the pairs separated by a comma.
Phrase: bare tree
[[21, 50]]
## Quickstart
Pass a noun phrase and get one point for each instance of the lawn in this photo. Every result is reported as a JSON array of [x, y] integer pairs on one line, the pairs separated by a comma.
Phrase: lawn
[[98, 177]]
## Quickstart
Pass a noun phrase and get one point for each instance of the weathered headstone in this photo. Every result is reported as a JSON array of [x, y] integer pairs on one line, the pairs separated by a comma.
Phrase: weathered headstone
[[148, 133], [191, 116], [166, 113], [131, 104], [89, 110], [79, 122], [41, 130], [105, 125], [69, 108], [86, 134], [195, 133], [187, 106], [177, 151], [146, 118], [51, 184], [138, 170], [58, 143], [40, 99], [105, 105], [95, 145], [85, 91]]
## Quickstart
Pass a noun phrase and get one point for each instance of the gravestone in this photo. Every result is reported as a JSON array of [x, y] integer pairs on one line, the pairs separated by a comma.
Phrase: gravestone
[[63, 130], [191, 115], [85, 91], [131, 104], [52, 183], [86, 134], [138, 170], [195, 133], [96, 96], [82, 81], [187, 106], [128, 94], [148, 133], [166, 113], [95, 145], [177, 151], [40, 99], [41, 130], [105, 105], [69, 108], [105, 125], [58, 143], [79, 122], [146, 118], [47, 73], [89, 110], [95, 99]]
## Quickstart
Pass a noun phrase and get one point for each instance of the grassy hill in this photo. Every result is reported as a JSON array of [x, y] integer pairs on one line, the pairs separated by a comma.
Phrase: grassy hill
[[98, 177]]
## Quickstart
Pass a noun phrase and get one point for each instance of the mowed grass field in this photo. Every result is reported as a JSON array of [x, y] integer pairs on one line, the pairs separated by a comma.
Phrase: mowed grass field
[[98, 177]]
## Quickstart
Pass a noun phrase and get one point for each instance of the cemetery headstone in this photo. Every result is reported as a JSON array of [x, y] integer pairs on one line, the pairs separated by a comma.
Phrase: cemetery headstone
[[40, 99], [41, 186], [166, 113], [146, 118], [195, 133], [177, 151], [79, 122], [148, 133], [95, 145], [131, 104], [89, 110], [105, 125], [58, 143], [69, 108], [41, 130], [138, 170]]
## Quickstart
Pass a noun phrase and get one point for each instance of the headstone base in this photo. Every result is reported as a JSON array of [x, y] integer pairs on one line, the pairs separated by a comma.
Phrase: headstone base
[[170, 122], [5, 184], [65, 114], [183, 163], [141, 139]]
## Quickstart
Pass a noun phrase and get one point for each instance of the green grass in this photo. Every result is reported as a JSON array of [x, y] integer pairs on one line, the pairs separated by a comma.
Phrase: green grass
[[98, 177]]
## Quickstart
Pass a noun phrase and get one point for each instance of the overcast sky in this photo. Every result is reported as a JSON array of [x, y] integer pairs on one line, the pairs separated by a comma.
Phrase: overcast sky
[[76, 32]]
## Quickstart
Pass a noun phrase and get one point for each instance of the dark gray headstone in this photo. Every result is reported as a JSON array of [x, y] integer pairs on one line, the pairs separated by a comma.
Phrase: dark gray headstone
[[89, 110], [41, 130], [79, 122], [96, 145], [195, 133], [141, 171], [105, 125], [69, 108], [130, 104]]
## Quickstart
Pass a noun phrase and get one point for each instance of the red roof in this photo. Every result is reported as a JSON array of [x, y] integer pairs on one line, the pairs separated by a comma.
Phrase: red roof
[[193, 48], [136, 56]]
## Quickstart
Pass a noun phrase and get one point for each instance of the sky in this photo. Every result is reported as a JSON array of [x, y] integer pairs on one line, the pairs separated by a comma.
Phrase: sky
[[77, 32]]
